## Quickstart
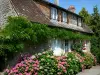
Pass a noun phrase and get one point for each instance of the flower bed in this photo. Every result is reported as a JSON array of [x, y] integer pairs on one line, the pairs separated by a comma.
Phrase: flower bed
[[47, 64]]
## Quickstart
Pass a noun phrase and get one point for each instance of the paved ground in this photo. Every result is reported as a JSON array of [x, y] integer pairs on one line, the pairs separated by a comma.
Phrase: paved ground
[[93, 71], [1, 73]]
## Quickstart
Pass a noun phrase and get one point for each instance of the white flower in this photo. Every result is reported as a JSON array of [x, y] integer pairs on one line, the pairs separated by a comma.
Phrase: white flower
[[41, 67], [39, 54], [33, 56]]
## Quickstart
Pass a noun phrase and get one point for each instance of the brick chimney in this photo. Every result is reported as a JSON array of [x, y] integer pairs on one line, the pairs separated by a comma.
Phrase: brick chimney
[[72, 8], [56, 2]]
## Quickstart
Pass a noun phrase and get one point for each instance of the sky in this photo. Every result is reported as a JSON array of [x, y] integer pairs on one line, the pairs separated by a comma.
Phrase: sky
[[88, 4]]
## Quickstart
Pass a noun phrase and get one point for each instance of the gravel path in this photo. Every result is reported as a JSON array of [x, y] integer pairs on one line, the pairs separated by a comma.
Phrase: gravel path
[[93, 71]]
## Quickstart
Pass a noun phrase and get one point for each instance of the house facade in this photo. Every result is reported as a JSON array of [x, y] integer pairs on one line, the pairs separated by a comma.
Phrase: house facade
[[44, 12]]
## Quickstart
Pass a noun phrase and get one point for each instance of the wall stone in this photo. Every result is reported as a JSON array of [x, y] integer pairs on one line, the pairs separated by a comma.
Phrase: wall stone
[[29, 49], [6, 9]]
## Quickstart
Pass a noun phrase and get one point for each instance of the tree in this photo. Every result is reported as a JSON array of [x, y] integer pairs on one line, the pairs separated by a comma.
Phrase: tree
[[95, 26], [95, 21], [86, 16]]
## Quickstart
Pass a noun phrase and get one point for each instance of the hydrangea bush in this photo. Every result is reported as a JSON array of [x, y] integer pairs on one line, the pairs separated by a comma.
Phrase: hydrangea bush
[[74, 64], [27, 67], [46, 63]]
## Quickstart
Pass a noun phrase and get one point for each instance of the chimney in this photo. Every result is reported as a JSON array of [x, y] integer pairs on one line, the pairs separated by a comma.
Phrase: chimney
[[46, 0], [72, 8], [56, 2]]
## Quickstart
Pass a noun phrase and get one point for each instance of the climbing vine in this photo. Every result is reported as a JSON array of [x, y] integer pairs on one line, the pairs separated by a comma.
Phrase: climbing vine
[[19, 31]]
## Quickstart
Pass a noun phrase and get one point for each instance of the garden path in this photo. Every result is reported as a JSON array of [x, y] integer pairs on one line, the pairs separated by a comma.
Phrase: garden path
[[93, 71]]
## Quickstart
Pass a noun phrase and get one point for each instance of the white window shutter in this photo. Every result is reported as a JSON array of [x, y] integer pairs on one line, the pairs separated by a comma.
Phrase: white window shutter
[[63, 16], [56, 14], [52, 13]]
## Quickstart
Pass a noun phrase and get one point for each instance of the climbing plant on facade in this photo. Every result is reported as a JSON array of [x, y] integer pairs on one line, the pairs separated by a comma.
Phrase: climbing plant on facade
[[19, 31]]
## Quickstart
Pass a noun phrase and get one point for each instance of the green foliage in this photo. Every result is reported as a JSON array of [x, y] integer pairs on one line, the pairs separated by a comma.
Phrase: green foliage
[[86, 16], [77, 46], [88, 60], [95, 25], [93, 20], [46, 64], [19, 31], [74, 64]]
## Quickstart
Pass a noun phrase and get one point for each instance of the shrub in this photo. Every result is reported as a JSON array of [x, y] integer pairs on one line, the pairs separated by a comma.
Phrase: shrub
[[46, 64], [77, 46], [95, 48], [62, 65], [74, 64], [26, 67], [88, 60]]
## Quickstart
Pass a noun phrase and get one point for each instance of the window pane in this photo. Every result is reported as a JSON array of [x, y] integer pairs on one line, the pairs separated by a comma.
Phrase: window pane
[[79, 22], [54, 14], [66, 46], [73, 19], [64, 14]]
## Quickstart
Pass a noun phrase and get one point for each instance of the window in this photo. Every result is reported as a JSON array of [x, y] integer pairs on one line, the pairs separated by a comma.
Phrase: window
[[73, 19], [64, 16], [79, 22], [85, 45], [66, 45], [54, 14], [57, 46]]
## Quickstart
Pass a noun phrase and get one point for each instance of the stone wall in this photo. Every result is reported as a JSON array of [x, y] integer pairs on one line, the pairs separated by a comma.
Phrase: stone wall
[[6, 9], [29, 49]]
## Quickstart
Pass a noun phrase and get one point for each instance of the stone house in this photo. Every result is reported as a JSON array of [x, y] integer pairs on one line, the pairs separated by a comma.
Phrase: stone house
[[44, 12]]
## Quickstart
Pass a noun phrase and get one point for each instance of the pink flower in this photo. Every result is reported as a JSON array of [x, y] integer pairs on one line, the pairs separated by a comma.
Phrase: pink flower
[[7, 70], [36, 74], [30, 60], [26, 68], [20, 74], [28, 74], [36, 68], [81, 60], [19, 64], [34, 65], [63, 57], [63, 63], [64, 70], [37, 62], [11, 71], [15, 71]]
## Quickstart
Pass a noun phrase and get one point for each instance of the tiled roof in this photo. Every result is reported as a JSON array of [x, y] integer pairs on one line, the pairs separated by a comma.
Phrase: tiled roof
[[30, 9]]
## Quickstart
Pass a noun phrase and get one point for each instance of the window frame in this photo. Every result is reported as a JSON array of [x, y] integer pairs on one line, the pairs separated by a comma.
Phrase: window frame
[[54, 13], [73, 19], [79, 22], [64, 19]]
